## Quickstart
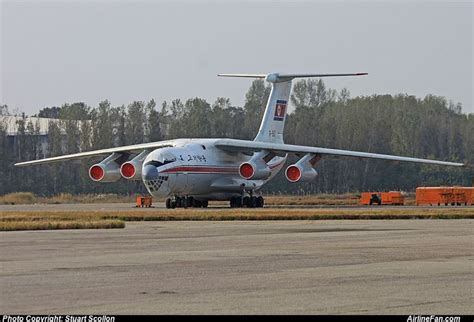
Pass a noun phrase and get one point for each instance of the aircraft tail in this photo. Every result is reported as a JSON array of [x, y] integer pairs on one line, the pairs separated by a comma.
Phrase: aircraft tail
[[273, 122]]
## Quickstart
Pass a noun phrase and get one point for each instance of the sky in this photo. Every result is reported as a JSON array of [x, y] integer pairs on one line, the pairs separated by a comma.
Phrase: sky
[[86, 51]]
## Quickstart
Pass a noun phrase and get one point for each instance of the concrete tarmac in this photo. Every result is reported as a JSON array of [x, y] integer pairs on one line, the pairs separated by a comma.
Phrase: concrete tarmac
[[270, 267]]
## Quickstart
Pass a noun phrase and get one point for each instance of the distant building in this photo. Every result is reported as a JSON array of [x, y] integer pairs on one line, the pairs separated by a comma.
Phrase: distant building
[[41, 125], [12, 122]]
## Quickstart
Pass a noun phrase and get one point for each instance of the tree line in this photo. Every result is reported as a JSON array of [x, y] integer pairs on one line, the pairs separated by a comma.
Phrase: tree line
[[400, 124]]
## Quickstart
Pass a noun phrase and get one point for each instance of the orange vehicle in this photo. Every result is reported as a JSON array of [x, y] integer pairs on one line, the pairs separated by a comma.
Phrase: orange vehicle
[[382, 198], [143, 201], [445, 196]]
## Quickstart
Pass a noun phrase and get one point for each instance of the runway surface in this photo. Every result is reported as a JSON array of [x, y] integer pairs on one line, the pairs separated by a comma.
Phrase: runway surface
[[280, 267]]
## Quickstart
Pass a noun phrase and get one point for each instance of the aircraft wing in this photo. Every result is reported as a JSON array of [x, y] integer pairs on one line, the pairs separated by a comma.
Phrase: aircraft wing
[[253, 146], [82, 155]]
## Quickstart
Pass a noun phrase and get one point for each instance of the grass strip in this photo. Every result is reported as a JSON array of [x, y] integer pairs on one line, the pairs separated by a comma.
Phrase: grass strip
[[241, 214], [51, 225]]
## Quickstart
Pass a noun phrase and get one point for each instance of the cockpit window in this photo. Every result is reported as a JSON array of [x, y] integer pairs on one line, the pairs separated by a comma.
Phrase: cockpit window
[[167, 159], [155, 163]]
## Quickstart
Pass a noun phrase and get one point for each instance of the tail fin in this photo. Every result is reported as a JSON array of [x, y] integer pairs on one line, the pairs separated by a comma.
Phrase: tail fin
[[273, 122]]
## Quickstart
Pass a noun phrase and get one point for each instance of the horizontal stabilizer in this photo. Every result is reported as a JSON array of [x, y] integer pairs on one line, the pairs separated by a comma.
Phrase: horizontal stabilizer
[[243, 75], [319, 75], [277, 77]]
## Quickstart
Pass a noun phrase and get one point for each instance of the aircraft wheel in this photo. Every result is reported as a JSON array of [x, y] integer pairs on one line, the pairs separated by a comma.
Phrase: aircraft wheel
[[247, 202], [180, 202], [260, 201], [189, 202], [236, 202], [168, 203], [239, 202], [253, 202], [204, 203]]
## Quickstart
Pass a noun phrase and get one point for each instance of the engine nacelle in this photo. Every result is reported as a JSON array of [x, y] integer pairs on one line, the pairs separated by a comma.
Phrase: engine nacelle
[[132, 170], [108, 170], [302, 171], [255, 169]]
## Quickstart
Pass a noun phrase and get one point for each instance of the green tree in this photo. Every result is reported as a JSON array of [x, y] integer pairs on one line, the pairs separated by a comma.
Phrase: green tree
[[135, 123], [154, 122], [102, 126], [255, 101], [196, 118]]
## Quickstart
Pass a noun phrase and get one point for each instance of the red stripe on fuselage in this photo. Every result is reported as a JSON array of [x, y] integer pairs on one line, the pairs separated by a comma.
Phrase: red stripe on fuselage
[[210, 169]]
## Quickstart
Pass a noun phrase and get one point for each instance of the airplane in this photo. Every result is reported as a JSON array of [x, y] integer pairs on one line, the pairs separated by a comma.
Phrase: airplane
[[190, 172]]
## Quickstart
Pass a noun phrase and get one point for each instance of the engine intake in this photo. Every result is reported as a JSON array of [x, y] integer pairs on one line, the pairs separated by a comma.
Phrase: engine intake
[[303, 171], [107, 170], [132, 170], [255, 169]]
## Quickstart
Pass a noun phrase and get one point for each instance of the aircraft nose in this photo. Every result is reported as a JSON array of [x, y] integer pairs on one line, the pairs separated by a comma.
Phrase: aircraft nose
[[149, 172]]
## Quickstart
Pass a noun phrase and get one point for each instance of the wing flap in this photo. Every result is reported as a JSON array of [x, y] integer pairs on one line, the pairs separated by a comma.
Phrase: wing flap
[[254, 146], [83, 155]]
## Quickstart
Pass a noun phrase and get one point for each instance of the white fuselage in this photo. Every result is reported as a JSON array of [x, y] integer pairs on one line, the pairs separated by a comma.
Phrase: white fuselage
[[195, 167]]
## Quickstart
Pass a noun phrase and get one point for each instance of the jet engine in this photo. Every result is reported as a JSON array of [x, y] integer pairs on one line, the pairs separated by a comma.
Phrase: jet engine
[[303, 170], [107, 170], [255, 169], [132, 170]]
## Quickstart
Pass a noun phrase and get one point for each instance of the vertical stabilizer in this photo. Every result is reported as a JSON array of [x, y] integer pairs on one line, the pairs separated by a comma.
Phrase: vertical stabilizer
[[273, 122]]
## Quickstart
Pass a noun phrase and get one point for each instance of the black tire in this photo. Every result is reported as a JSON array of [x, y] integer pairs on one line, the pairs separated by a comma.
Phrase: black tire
[[173, 204], [253, 202], [189, 202], [238, 202], [179, 202], [370, 203], [260, 202], [380, 202], [247, 202], [204, 203]]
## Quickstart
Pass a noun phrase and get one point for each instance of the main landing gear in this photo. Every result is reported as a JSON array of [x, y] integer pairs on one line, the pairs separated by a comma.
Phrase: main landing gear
[[185, 202], [247, 202]]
